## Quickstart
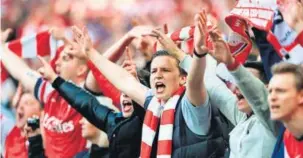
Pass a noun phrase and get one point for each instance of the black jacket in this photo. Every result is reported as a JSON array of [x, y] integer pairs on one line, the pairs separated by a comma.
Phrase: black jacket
[[35, 148], [124, 134]]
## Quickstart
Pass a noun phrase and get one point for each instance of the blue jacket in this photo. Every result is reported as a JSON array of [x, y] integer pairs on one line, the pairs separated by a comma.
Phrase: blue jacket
[[279, 147]]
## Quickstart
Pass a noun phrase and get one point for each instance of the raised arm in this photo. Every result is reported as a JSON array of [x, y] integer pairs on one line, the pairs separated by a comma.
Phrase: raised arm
[[119, 77], [106, 87], [17, 67], [94, 79], [85, 103], [252, 88], [113, 54], [196, 91]]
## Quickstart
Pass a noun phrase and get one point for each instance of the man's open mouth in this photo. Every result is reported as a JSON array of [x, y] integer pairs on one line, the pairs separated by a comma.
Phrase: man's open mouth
[[239, 96], [160, 87], [127, 105]]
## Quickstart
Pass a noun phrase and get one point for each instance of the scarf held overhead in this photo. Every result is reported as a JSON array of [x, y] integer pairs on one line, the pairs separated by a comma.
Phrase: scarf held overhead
[[265, 16], [42, 44]]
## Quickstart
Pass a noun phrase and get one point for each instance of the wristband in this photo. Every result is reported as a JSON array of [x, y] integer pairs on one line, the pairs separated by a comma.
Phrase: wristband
[[199, 55], [233, 66]]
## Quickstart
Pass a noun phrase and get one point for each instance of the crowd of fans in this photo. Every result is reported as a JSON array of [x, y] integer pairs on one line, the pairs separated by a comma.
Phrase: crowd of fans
[[138, 78]]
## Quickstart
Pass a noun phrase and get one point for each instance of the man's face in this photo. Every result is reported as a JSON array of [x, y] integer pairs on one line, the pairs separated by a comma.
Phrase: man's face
[[127, 107], [165, 77], [88, 130], [283, 96], [67, 66], [27, 107]]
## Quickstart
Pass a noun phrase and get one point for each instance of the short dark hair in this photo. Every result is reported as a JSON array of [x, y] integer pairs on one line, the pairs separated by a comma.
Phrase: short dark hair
[[165, 53], [296, 70], [258, 66]]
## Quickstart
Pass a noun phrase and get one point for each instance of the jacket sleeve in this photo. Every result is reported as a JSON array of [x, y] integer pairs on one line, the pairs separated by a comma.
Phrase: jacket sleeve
[[86, 104], [105, 86], [256, 94], [35, 148]]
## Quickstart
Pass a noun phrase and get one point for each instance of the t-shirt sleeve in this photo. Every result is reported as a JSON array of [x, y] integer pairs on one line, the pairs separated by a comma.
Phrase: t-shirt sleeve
[[148, 97], [197, 118], [42, 90]]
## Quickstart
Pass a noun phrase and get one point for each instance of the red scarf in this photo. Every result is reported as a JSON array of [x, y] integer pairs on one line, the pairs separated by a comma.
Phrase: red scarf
[[261, 14], [153, 116]]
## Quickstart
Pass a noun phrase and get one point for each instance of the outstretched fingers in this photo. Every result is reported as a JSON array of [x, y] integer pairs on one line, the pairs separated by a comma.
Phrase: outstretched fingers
[[77, 34]]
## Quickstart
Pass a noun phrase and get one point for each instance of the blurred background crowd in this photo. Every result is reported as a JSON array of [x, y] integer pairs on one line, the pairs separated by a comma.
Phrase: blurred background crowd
[[106, 20]]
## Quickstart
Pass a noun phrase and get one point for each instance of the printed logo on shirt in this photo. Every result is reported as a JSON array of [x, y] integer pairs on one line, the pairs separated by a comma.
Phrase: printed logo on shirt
[[56, 125]]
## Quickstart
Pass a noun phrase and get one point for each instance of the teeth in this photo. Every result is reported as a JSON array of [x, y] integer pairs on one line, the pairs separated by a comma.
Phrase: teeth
[[159, 84], [126, 102]]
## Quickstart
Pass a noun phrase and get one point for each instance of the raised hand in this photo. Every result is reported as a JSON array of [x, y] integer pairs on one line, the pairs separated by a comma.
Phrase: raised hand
[[200, 33], [293, 15], [59, 34], [167, 43], [46, 70], [81, 45], [221, 50], [128, 63], [139, 31]]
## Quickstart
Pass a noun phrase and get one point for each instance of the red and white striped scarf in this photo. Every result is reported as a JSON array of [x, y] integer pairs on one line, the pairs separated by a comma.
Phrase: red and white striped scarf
[[31, 46], [186, 35], [153, 115]]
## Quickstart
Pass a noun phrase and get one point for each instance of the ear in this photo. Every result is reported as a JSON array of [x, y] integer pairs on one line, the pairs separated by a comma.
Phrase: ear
[[182, 80]]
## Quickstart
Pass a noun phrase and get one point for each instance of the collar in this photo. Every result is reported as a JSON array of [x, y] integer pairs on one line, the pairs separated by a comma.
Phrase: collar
[[300, 138]]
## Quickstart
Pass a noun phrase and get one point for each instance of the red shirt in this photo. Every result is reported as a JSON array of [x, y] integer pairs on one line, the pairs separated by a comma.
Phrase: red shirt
[[62, 131], [15, 145], [293, 147]]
